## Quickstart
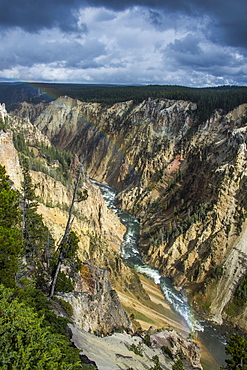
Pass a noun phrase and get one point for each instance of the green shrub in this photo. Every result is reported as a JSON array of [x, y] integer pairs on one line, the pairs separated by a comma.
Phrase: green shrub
[[236, 349], [137, 349], [241, 291], [26, 343], [157, 366], [218, 272], [3, 125], [66, 306], [166, 350], [36, 299], [178, 365], [64, 284], [147, 340]]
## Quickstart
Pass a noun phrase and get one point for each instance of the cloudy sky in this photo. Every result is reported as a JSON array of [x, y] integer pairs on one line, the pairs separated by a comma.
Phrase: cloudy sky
[[183, 42]]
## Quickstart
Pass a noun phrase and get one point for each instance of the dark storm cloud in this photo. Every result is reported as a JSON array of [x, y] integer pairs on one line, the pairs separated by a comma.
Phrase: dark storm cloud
[[32, 15], [191, 42], [188, 52], [169, 5], [69, 53], [209, 63], [229, 18]]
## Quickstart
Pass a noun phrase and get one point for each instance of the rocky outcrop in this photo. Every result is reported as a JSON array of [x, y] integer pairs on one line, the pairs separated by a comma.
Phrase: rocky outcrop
[[96, 306], [9, 158], [177, 345], [32, 135], [92, 217], [233, 269], [112, 352], [3, 111], [117, 351]]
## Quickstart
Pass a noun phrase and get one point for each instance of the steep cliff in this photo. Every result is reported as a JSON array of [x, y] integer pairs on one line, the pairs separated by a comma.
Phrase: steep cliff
[[3, 111], [99, 230], [92, 217], [185, 180], [9, 158], [96, 306], [114, 139]]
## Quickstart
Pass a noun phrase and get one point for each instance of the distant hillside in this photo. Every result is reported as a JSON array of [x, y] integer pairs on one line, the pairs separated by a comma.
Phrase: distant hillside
[[207, 99]]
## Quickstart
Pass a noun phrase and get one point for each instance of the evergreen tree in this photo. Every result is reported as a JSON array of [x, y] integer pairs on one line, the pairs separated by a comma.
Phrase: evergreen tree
[[10, 233], [37, 240], [26, 344], [237, 349], [3, 125], [69, 243]]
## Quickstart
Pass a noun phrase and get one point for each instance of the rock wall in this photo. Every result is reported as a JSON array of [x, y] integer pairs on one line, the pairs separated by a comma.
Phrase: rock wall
[[234, 268], [3, 112], [96, 306], [92, 217], [99, 230], [9, 158], [177, 345], [113, 139], [31, 134]]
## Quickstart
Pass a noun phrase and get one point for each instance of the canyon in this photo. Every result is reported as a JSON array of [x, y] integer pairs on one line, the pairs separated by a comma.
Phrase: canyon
[[106, 288], [184, 180]]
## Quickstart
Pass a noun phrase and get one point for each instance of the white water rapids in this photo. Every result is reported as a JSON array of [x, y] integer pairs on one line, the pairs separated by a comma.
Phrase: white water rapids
[[176, 299], [131, 255]]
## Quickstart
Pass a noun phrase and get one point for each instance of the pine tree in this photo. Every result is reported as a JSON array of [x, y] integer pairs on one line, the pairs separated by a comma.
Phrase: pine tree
[[37, 240], [237, 350], [26, 343], [10, 232], [68, 245]]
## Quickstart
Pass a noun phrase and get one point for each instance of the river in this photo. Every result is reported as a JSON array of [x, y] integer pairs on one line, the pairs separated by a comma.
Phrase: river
[[204, 330]]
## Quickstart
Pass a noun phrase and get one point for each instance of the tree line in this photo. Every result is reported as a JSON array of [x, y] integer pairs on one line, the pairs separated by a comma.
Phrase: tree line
[[207, 99]]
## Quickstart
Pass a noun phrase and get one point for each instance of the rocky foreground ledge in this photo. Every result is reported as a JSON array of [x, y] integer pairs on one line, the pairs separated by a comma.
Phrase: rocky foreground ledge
[[122, 351]]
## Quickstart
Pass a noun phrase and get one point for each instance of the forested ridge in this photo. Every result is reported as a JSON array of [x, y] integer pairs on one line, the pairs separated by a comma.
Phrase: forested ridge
[[207, 99]]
